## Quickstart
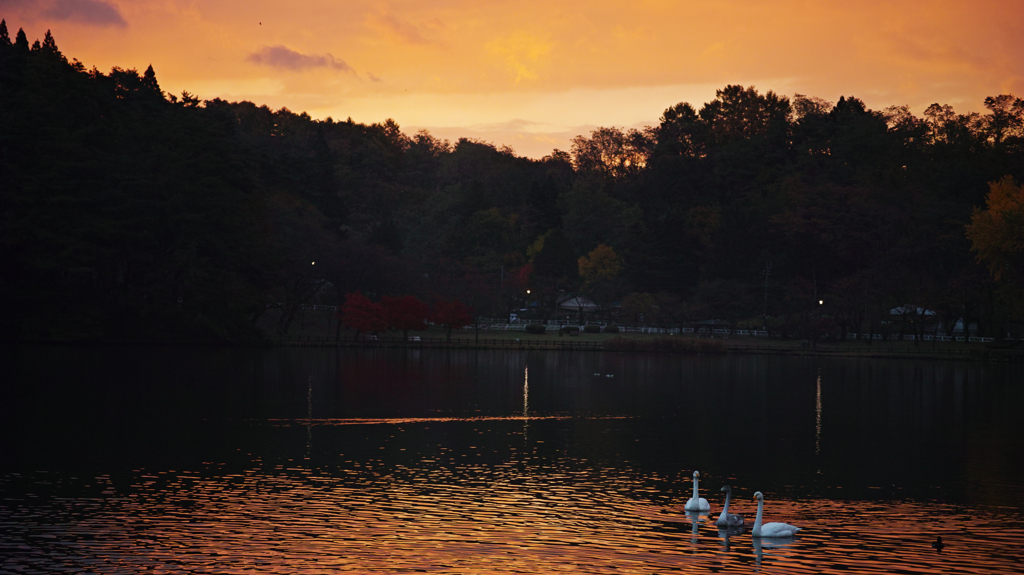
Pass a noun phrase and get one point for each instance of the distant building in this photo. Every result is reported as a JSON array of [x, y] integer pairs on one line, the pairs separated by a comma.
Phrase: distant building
[[576, 304]]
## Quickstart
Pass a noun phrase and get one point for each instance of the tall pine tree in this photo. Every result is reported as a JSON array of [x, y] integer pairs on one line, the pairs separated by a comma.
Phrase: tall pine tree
[[50, 45], [21, 40]]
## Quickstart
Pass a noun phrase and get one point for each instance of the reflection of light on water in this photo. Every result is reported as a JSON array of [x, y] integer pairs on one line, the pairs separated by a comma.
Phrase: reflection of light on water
[[401, 420], [526, 400], [817, 417], [309, 414], [399, 515], [526, 392]]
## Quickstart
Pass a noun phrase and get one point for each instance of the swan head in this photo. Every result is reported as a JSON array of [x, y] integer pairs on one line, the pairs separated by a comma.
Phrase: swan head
[[696, 474], [759, 496], [726, 488]]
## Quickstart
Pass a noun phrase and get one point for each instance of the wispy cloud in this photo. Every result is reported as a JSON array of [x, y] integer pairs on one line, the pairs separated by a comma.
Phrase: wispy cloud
[[285, 58], [518, 125], [91, 12], [405, 31]]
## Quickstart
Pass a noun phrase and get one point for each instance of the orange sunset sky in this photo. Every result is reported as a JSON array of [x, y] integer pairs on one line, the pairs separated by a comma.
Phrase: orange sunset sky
[[533, 74]]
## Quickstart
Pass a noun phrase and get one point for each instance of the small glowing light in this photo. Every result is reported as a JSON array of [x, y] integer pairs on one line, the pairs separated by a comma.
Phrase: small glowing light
[[821, 302], [527, 291], [313, 264]]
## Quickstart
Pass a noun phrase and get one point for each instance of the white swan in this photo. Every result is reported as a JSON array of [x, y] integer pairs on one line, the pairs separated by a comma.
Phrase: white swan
[[697, 503], [770, 529], [727, 519]]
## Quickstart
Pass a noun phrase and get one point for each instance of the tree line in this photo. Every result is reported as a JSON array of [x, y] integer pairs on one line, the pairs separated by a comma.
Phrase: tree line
[[130, 213]]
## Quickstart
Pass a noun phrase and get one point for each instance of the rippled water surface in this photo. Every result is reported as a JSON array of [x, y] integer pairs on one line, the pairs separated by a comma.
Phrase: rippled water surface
[[302, 460]]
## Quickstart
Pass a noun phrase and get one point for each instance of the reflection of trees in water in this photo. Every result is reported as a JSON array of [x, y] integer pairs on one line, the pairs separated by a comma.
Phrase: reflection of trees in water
[[920, 419], [893, 424]]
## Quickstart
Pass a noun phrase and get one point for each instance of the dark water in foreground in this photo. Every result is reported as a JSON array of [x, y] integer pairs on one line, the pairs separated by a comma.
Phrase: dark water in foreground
[[306, 460]]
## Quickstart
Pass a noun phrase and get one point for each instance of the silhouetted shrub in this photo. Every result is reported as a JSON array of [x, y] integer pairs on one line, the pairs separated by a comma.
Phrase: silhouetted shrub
[[535, 328], [611, 329], [592, 328], [667, 344]]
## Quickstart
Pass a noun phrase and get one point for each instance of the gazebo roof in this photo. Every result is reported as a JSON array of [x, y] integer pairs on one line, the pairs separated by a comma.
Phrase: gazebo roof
[[577, 303]]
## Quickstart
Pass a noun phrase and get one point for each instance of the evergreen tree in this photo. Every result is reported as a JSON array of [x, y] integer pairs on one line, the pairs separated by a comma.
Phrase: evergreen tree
[[5, 39], [149, 80], [21, 40], [50, 45]]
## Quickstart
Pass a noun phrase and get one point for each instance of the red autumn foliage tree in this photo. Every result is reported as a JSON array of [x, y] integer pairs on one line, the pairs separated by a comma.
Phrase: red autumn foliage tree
[[523, 276], [405, 313], [451, 315], [361, 314]]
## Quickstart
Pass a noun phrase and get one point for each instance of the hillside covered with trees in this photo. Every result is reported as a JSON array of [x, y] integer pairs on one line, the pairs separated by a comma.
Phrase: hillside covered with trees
[[129, 213]]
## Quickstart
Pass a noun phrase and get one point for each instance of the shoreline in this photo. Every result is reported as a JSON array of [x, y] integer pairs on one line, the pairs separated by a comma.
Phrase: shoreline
[[971, 354], [638, 345], [316, 328]]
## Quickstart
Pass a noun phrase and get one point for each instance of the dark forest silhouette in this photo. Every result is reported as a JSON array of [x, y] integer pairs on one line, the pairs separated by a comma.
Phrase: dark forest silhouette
[[129, 213]]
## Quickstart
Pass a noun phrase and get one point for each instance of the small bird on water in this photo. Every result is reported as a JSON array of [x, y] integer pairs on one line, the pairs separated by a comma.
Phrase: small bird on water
[[938, 544]]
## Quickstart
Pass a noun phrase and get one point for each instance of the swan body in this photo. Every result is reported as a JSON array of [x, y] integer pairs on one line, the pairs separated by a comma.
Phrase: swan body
[[770, 529], [697, 503], [727, 519]]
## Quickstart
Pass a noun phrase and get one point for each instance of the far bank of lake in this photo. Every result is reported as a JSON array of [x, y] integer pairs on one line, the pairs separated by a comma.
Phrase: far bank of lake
[[678, 344], [319, 328]]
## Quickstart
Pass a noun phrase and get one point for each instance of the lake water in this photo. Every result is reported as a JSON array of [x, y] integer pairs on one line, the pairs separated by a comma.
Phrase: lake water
[[301, 460]]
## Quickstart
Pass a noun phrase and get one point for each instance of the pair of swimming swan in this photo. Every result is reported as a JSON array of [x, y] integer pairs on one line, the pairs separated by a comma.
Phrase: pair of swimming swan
[[726, 519]]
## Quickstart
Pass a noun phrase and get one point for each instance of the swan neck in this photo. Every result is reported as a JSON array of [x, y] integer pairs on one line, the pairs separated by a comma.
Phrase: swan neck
[[695, 482], [725, 510], [757, 521]]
